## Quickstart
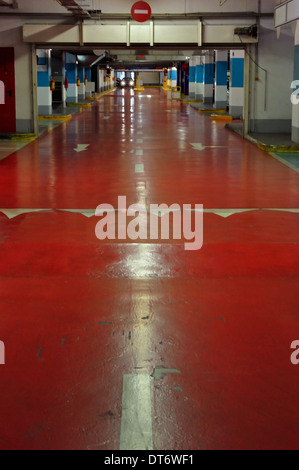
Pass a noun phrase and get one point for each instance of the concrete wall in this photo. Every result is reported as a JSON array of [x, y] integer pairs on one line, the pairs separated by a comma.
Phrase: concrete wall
[[11, 36], [150, 78], [295, 106], [276, 55], [102, 83]]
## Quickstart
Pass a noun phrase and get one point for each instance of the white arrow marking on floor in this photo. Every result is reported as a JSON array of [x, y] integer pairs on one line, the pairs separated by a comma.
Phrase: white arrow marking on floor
[[227, 212], [85, 212], [136, 420], [139, 152], [295, 211], [81, 147], [199, 146], [11, 213], [221, 212]]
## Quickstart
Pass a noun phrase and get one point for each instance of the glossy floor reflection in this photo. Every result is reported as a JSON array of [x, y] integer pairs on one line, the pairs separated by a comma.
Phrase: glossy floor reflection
[[211, 328]]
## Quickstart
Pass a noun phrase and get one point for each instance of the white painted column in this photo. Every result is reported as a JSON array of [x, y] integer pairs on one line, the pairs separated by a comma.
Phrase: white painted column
[[64, 92], [295, 96], [71, 70], [81, 88], [208, 79], [174, 76], [169, 78], [236, 94], [44, 93], [221, 80], [192, 68], [199, 78]]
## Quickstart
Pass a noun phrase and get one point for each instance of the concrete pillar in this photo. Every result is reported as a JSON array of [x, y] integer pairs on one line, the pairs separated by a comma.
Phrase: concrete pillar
[[72, 73], [81, 88], [221, 80], [112, 84], [199, 78], [88, 74], [192, 68], [208, 78], [295, 97], [63, 74], [174, 76], [44, 93], [184, 79], [88, 87], [104, 81], [101, 80], [169, 77], [26, 84], [236, 95]]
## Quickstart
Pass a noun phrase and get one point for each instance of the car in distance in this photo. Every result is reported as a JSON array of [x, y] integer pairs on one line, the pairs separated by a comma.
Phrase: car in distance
[[126, 82]]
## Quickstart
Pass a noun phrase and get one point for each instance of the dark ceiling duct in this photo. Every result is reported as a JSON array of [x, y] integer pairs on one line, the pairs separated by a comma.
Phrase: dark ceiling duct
[[12, 4], [74, 8]]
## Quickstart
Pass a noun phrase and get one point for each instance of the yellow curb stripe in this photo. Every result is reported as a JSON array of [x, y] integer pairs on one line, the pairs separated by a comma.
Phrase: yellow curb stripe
[[192, 101], [23, 137], [212, 111], [103, 93], [79, 105], [278, 148], [217, 117]]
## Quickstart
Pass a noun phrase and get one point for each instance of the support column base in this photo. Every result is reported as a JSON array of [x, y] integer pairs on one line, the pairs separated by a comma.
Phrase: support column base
[[25, 126], [295, 135], [72, 99], [271, 126], [208, 99], [220, 105], [236, 111], [45, 110]]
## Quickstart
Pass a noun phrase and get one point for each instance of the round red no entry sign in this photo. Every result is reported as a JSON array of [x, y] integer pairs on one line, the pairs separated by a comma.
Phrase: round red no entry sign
[[141, 11]]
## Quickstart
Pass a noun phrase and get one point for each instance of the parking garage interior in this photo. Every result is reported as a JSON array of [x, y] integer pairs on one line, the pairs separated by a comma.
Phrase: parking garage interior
[[149, 204]]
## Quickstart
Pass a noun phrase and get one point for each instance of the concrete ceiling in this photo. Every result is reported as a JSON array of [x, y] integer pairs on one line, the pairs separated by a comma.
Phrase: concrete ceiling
[[131, 58], [74, 11]]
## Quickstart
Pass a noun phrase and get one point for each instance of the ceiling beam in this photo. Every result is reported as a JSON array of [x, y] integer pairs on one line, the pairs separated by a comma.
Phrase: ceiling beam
[[100, 17]]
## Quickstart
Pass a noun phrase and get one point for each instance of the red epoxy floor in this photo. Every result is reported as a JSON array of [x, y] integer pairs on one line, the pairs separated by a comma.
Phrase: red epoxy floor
[[76, 314]]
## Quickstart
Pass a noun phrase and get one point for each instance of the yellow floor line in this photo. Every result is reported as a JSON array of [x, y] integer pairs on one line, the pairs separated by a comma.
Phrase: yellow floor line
[[54, 118]]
